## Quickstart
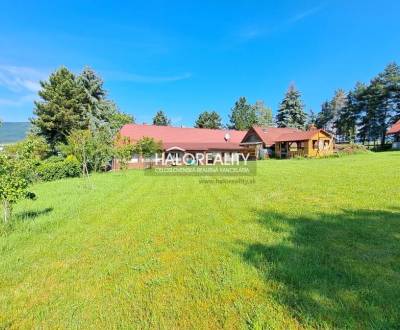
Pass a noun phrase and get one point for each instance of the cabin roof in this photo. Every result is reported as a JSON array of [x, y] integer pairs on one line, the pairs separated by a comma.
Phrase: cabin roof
[[395, 128], [300, 135], [269, 135]]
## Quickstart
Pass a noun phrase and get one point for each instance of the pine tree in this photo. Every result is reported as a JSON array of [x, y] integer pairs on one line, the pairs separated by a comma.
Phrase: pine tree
[[338, 103], [330, 110], [75, 103], [324, 115], [60, 110], [264, 114], [369, 123], [161, 119], [348, 118], [243, 115], [208, 120], [93, 85], [381, 104], [291, 110], [387, 91], [311, 119], [95, 97]]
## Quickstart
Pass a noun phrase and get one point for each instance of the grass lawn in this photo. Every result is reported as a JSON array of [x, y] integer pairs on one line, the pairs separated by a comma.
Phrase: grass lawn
[[309, 244]]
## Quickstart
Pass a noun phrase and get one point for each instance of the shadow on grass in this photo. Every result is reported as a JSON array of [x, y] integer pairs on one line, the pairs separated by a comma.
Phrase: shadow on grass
[[20, 219], [334, 270], [31, 215]]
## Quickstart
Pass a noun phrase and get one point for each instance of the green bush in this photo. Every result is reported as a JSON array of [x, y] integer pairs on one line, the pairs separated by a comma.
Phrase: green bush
[[55, 168]]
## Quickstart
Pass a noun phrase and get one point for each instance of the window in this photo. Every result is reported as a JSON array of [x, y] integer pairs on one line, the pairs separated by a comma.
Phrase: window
[[293, 146], [326, 144], [135, 158], [315, 144]]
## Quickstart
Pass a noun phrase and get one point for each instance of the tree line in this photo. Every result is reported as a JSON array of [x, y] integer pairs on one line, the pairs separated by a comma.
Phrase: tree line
[[243, 116], [364, 113], [70, 102]]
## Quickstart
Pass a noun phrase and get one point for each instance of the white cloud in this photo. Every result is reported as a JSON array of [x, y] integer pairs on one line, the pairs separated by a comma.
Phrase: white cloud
[[304, 14], [20, 79], [258, 31]]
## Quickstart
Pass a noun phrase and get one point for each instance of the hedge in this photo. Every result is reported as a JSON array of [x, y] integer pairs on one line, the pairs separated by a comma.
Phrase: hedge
[[55, 168]]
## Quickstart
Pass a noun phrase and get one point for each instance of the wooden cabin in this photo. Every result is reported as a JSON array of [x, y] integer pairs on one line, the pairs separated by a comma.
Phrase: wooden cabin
[[311, 143], [288, 142]]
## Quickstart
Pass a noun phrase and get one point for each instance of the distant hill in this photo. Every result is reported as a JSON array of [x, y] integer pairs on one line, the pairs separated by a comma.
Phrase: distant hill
[[13, 132]]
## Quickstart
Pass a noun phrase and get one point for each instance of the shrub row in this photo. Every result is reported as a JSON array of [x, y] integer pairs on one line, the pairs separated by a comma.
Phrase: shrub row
[[55, 168]]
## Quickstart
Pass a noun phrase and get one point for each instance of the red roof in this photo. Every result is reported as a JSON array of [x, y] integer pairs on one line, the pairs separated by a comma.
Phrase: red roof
[[395, 128], [186, 138], [269, 135], [299, 135]]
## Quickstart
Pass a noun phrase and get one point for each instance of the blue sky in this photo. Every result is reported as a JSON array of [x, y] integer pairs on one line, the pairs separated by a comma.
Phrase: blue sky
[[189, 56]]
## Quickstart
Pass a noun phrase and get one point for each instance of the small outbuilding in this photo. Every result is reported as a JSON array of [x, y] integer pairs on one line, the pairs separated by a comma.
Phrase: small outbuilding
[[311, 143], [288, 142], [395, 132]]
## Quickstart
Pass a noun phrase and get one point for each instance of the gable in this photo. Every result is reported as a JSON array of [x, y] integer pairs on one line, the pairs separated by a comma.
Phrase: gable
[[251, 137], [320, 134]]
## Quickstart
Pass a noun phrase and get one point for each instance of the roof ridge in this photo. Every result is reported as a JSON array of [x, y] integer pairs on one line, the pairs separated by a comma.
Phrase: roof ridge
[[195, 128]]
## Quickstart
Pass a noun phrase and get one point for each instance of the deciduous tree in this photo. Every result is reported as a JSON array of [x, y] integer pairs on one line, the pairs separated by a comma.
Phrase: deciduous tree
[[123, 150], [80, 145], [147, 147], [14, 183], [33, 148], [263, 114]]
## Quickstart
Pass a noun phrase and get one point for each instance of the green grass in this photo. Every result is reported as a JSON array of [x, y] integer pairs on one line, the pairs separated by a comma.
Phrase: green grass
[[310, 244]]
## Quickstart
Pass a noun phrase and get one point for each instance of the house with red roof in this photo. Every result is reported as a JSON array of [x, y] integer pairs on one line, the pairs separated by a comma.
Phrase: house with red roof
[[257, 142], [395, 132], [176, 141]]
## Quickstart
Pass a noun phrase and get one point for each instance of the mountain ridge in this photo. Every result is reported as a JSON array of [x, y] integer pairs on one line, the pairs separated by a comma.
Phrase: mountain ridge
[[11, 132]]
